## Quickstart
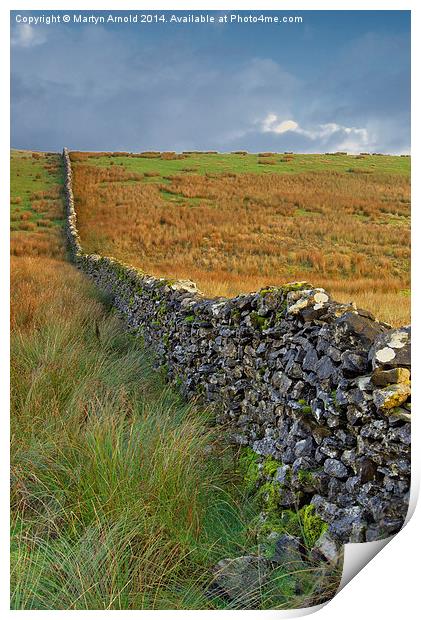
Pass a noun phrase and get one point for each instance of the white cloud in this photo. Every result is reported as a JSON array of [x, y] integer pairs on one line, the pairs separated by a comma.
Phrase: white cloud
[[270, 123], [347, 138], [25, 35]]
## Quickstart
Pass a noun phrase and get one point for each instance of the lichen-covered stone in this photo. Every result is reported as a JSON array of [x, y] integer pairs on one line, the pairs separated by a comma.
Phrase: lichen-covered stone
[[391, 396], [392, 349], [299, 300], [398, 414], [359, 327], [382, 377]]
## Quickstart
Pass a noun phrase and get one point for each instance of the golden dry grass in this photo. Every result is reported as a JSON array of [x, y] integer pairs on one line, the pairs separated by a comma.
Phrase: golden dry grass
[[234, 233]]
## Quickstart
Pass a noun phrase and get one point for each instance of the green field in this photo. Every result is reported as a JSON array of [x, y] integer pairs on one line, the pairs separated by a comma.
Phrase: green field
[[231, 162], [28, 178]]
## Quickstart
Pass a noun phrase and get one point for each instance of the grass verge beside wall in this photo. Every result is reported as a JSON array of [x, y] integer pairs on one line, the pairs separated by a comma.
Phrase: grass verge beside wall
[[117, 501]]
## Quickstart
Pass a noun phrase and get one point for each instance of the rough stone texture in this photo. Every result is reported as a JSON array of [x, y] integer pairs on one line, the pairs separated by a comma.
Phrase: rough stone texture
[[391, 396], [327, 548], [335, 468], [394, 375], [240, 579], [287, 551], [292, 374], [392, 349]]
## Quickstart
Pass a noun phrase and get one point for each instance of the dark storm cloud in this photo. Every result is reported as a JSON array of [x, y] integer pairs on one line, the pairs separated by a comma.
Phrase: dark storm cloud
[[103, 89]]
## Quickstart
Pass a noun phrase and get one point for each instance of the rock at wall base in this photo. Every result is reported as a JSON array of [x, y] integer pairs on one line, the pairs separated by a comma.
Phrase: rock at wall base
[[240, 579]]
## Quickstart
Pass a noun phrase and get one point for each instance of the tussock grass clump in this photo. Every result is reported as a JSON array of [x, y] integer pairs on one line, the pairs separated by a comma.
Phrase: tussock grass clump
[[267, 161]]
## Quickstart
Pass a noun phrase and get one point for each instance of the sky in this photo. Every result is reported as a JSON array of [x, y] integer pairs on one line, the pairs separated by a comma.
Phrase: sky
[[338, 81]]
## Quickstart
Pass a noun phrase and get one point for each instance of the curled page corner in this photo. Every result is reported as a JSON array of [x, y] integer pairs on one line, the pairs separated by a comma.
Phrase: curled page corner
[[357, 555]]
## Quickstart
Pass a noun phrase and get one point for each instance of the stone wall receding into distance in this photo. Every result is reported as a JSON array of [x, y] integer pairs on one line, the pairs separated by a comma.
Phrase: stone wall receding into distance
[[317, 388]]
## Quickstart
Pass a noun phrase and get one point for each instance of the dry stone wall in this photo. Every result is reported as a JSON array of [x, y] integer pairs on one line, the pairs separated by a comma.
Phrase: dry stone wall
[[318, 389]]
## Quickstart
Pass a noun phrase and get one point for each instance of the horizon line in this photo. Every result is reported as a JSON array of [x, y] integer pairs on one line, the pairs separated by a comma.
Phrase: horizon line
[[215, 152]]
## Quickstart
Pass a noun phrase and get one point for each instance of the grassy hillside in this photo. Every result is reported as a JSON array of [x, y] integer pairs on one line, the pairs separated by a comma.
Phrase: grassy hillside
[[238, 222], [292, 163], [122, 496]]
